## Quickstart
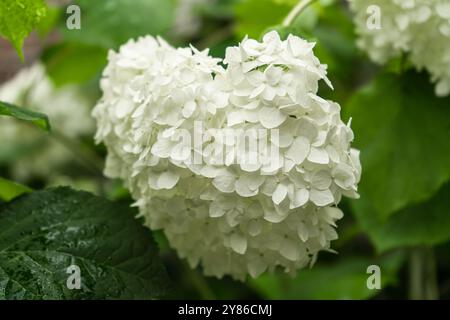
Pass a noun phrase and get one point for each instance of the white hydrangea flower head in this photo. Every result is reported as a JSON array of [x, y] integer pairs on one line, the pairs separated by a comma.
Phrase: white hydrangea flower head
[[67, 110], [419, 28], [234, 218]]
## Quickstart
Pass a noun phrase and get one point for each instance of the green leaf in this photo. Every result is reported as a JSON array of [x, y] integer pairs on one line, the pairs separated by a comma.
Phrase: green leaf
[[18, 18], [427, 223], [38, 119], [403, 132], [346, 279], [10, 190], [63, 62], [254, 16], [51, 20], [45, 232], [110, 23]]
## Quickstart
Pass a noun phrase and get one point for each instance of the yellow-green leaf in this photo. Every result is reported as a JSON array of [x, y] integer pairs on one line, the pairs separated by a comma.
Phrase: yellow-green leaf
[[10, 189], [18, 18]]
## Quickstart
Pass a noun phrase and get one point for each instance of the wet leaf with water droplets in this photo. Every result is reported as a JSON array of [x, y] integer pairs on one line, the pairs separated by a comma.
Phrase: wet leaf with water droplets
[[45, 232]]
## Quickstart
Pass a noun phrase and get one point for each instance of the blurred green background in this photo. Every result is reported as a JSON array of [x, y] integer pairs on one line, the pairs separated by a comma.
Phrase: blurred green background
[[402, 220]]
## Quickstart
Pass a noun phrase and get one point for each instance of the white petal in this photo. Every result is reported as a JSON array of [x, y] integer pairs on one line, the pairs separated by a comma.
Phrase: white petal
[[303, 232], [180, 152], [167, 180], [257, 91], [289, 249], [301, 197], [162, 148], [269, 186], [274, 215], [189, 109], [299, 150], [243, 189], [334, 213], [256, 267], [321, 198], [288, 165], [209, 171], [216, 210], [224, 183], [273, 75], [321, 180], [254, 227], [123, 108], [318, 155], [238, 243], [234, 118], [283, 140], [279, 193], [271, 117]]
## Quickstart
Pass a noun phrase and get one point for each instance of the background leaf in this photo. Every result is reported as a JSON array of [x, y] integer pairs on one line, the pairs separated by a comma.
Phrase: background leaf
[[10, 189], [38, 119], [346, 279], [403, 131], [110, 23], [255, 16], [43, 233], [427, 223], [63, 62]]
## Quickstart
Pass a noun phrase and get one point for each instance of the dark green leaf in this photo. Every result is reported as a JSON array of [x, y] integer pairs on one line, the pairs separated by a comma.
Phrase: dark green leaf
[[38, 119], [45, 232], [403, 132], [10, 189]]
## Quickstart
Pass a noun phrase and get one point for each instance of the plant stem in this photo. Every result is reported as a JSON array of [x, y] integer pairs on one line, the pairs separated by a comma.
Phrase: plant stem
[[415, 275], [432, 288], [200, 283], [83, 154], [215, 38], [295, 12], [422, 273]]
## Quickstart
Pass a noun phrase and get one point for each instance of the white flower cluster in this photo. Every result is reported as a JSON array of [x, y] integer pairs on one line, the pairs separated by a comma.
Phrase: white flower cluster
[[67, 109], [233, 218], [420, 28]]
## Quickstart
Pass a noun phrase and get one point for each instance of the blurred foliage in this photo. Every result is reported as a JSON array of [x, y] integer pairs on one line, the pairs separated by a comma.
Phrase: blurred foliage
[[427, 223], [396, 119], [63, 62], [108, 24], [345, 279], [402, 129], [104, 25], [254, 16], [46, 25]]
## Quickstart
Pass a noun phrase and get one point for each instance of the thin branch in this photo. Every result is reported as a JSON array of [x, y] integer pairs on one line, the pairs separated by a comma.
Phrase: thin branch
[[295, 12], [81, 153]]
